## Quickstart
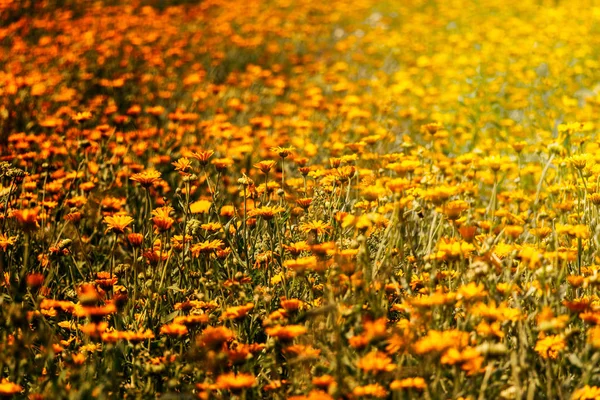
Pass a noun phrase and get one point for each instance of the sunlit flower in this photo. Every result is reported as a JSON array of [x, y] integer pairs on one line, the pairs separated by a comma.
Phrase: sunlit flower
[[117, 223], [146, 178]]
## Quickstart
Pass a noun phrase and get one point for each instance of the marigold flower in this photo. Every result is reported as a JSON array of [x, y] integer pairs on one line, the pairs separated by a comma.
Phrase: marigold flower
[[550, 346], [215, 336], [376, 362], [372, 390], [586, 393], [409, 383], [174, 329], [182, 165], [8, 388], [162, 219], [282, 152], [318, 227], [200, 207], [265, 166], [235, 383], [286, 333], [202, 156], [117, 223], [237, 312], [28, 218], [208, 246], [146, 178], [6, 241]]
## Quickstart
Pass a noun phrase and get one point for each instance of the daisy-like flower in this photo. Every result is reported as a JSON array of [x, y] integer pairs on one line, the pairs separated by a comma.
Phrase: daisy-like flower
[[286, 333], [6, 241], [318, 227], [282, 152], [202, 156], [265, 166], [146, 178], [182, 165], [117, 223], [162, 219], [208, 246], [235, 383], [9, 388]]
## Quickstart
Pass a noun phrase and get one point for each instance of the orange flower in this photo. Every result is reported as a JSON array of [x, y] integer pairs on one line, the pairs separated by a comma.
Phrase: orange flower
[[237, 312], [373, 390], [117, 223], [215, 336], [202, 156], [265, 166], [282, 152], [8, 388], [221, 164], [266, 212], [146, 178], [409, 383], [161, 218], [235, 383], [318, 227], [182, 165], [200, 207], [376, 362], [286, 333], [6, 241], [27, 218], [206, 247], [550, 346], [174, 329]]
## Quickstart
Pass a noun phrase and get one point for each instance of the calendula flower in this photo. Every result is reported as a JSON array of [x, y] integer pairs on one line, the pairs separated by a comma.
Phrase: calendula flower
[[409, 383], [202, 156], [182, 165], [373, 390], [208, 246], [8, 388], [265, 166], [235, 382], [27, 218], [318, 227], [146, 178], [550, 346], [200, 206], [586, 393], [215, 336], [266, 212], [117, 223], [286, 333], [376, 362], [174, 329], [82, 116], [282, 152], [237, 312], [162, 219], [6, 241]]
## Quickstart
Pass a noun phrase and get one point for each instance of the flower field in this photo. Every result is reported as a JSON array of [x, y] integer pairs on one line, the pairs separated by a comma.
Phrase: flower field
[[296, 199]]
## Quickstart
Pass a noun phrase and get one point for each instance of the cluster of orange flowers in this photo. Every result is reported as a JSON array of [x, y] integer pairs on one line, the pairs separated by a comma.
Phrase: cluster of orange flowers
[[302, 200]]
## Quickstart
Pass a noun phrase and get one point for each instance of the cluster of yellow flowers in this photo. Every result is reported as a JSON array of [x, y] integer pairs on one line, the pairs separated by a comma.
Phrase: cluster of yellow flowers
[[302, 200]]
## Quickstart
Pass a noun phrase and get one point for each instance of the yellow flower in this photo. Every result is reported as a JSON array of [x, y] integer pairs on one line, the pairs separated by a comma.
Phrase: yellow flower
[[235, 383], [376, 362], [318, 227], [117, 223], [409, 383], [200, 207], [162, 219], [550, 346], [586, 393], [146, 178]]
